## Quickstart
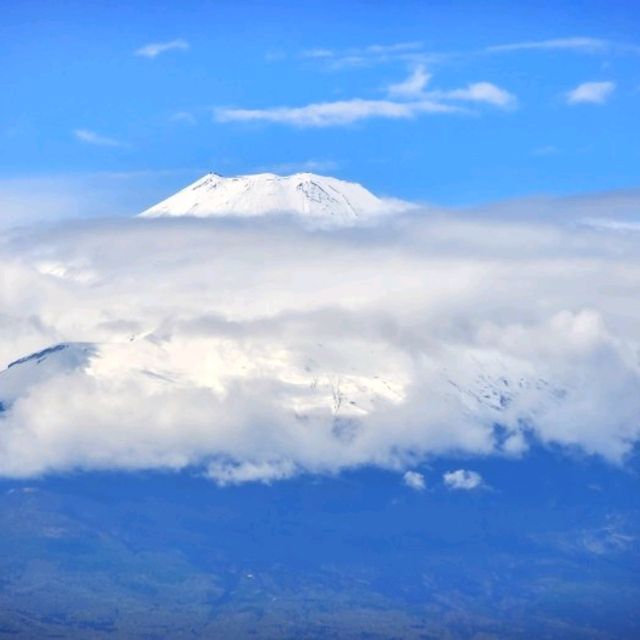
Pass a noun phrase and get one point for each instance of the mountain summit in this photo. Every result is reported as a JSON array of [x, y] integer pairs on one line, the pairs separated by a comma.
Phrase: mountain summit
[[319, 199]]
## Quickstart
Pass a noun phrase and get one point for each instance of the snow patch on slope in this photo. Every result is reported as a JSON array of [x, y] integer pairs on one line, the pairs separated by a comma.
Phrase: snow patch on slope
[[24, 374]]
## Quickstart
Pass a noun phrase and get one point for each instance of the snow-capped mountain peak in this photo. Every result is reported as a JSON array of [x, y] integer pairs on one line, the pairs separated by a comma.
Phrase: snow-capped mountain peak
[[319, 199]]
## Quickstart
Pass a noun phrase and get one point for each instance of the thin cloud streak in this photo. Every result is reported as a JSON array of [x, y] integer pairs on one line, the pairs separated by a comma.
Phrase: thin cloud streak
[[154, 49], [586, 45], [337, 59], [590, 93], [415, 53], [413, 86], [373, 50], [484, 92], [340, 113], [574, 44], [91, 137]]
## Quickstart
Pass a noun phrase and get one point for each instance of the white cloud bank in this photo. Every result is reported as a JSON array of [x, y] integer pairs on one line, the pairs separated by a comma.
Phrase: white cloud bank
[[256, 350], [591, 93]]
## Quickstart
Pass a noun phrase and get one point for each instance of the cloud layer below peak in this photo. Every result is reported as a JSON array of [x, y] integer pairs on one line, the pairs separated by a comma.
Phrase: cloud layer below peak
[[257, 350]]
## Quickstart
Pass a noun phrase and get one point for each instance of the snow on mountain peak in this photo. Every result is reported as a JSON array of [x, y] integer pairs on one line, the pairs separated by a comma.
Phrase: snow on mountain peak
[[322, 200]]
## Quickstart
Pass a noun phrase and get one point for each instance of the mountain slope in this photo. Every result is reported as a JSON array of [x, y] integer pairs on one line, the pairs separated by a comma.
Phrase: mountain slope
[[319, 199], [311, 383], [23, 374]]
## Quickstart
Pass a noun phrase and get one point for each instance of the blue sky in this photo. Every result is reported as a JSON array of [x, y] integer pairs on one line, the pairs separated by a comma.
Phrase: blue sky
[[84, 97]]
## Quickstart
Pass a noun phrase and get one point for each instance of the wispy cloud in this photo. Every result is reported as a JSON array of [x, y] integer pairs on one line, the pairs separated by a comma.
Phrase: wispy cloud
[[546, 150], [154, 49], [414, 480], [486, 92], [462, 479], [573, 44], [91, 137], [414, 85], [587, 45], [415, 52], [342, 112], [368, 55], [591, 93], [275, 56], [407, 99], [318, 53], [185, 117], [371, 50]]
